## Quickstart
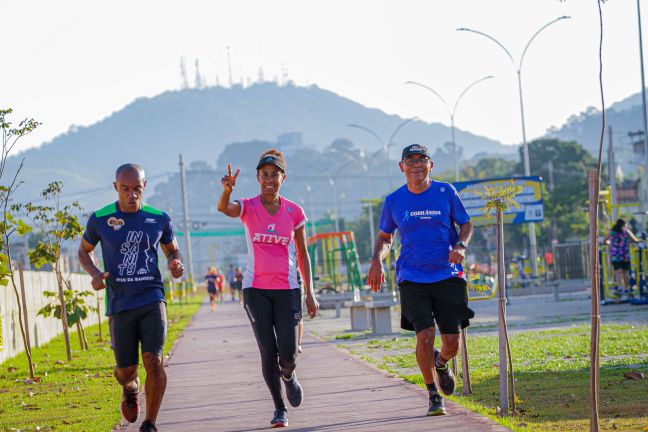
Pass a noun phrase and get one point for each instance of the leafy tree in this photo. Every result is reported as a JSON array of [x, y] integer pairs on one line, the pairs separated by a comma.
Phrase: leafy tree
[[75, 307], [490, 167], [56, 224], [9, 225], [563, 165]]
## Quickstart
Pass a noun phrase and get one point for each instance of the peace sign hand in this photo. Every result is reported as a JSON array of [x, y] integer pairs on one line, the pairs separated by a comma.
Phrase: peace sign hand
[[229, 180]]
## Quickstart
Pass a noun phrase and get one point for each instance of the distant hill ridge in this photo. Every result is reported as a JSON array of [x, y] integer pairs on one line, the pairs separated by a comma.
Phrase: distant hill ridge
[[199, 123]]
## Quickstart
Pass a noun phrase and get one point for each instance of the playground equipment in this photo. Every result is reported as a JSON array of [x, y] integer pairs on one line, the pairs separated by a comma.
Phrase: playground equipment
[[522, 272], [334, 262]]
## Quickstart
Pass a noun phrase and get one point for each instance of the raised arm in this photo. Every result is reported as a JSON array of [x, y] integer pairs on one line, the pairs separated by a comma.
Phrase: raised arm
[[376, 276], [633, 237], [305, 266], [225, 206], [87, 261]]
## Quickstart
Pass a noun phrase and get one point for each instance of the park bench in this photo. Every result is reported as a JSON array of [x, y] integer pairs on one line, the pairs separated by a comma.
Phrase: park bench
[[374, 313], [337, 300]]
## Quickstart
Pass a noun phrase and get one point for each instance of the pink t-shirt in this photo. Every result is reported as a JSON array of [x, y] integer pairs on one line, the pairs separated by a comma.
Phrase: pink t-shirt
[[272, 255]]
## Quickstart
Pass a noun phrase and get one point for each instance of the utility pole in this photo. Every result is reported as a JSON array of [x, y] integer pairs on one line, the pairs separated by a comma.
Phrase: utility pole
[[644, 195], [554, 225], [611, 175], [185, 207]]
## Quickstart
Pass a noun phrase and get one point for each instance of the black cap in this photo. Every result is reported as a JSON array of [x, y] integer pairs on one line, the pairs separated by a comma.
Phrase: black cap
[[270, 159], [413, 149]]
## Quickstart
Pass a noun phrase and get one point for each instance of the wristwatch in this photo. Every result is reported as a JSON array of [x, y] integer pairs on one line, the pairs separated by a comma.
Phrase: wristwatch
[[462, 243]]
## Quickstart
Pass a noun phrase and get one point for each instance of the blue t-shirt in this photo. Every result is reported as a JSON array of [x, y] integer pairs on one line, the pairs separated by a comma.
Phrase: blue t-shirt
[[129, 244], [426, 223], [211, 280]]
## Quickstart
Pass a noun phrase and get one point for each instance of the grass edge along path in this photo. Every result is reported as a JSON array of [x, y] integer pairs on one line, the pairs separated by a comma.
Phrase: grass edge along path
[[81, 395], [552, 375]]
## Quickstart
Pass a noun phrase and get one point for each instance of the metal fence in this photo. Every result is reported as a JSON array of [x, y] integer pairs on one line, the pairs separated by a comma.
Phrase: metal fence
[[571, 260]]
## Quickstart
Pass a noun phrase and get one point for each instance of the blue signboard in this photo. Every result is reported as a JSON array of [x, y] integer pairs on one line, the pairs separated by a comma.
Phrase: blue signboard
[[530, 199]]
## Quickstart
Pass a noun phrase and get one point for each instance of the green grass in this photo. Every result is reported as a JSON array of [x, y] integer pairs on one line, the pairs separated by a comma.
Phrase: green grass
[[552, 376], [81, 395]]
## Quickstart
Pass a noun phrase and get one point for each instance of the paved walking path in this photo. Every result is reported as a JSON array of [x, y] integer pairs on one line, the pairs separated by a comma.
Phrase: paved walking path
[[215, 384]]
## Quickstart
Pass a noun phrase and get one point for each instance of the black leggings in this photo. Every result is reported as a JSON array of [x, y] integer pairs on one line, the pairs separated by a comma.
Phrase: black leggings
[[275, 315]]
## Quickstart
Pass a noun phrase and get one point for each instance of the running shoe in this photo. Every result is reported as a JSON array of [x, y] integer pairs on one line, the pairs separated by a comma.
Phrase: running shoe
[[294, 392], [446, 377], [130, 404], [280, 418], [299, 349], [437, 406], [147, 426]]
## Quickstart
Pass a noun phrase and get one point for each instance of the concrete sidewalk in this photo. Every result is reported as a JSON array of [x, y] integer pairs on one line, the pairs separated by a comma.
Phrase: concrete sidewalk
[[215, 384]]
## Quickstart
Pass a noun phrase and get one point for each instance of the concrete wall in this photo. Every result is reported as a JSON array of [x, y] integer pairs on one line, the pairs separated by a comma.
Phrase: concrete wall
[[41, 330]]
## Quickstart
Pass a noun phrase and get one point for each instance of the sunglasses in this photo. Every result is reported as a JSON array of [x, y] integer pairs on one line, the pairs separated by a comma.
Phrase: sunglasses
[[414, 162]]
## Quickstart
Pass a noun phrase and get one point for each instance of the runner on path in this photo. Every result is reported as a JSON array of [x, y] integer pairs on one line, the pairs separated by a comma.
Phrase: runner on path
[[211, 277], [231, 280], [129, 232], [430, 277], [274, 228], [220, 281]]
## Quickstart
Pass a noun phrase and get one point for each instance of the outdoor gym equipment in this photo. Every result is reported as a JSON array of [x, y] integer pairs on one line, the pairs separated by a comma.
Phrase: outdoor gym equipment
[[610, 294], [638, 294]]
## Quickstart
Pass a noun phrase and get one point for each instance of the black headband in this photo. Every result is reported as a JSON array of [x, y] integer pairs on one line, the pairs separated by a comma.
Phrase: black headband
[[271, 160]]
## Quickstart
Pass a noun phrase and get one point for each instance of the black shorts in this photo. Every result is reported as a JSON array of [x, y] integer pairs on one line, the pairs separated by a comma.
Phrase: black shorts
[[621, 265], [211, 289], [146, 325], [444, 302]]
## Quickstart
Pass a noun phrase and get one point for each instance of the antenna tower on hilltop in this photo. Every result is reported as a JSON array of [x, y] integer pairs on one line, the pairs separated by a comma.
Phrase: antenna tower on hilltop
[[199, 81], [184, 84], [229, 67], [260, 78], [284, 75]]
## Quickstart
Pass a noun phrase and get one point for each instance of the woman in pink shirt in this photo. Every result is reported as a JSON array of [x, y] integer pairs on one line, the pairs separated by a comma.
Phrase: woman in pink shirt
[[276, 242]]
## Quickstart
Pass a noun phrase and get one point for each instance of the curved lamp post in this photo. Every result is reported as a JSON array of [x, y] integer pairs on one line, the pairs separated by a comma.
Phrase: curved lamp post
[[388, 144], [527, 166], [451, 113], [335, 194]]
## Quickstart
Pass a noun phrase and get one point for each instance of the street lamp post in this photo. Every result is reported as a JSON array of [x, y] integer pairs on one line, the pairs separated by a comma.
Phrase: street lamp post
[[527, 166], [335, 197], [309, 189], [335, 194], [452, 116], [385, 145]]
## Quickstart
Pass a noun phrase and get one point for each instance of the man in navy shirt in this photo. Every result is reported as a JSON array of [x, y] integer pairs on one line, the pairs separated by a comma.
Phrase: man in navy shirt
[[129, 232], [430, 277]]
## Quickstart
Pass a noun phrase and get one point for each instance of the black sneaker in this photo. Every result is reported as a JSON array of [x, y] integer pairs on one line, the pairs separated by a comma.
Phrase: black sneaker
[[280, 418], [437, 406], [294, 392], [446, 377], [147, 426]]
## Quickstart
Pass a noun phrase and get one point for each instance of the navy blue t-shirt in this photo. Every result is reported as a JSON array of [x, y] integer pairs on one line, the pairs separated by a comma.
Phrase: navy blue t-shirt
[[426, 223], [129, 244]]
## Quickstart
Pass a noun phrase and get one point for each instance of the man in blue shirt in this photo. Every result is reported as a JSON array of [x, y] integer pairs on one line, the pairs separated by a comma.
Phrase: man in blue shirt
[[129, 232], [430, 277]]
